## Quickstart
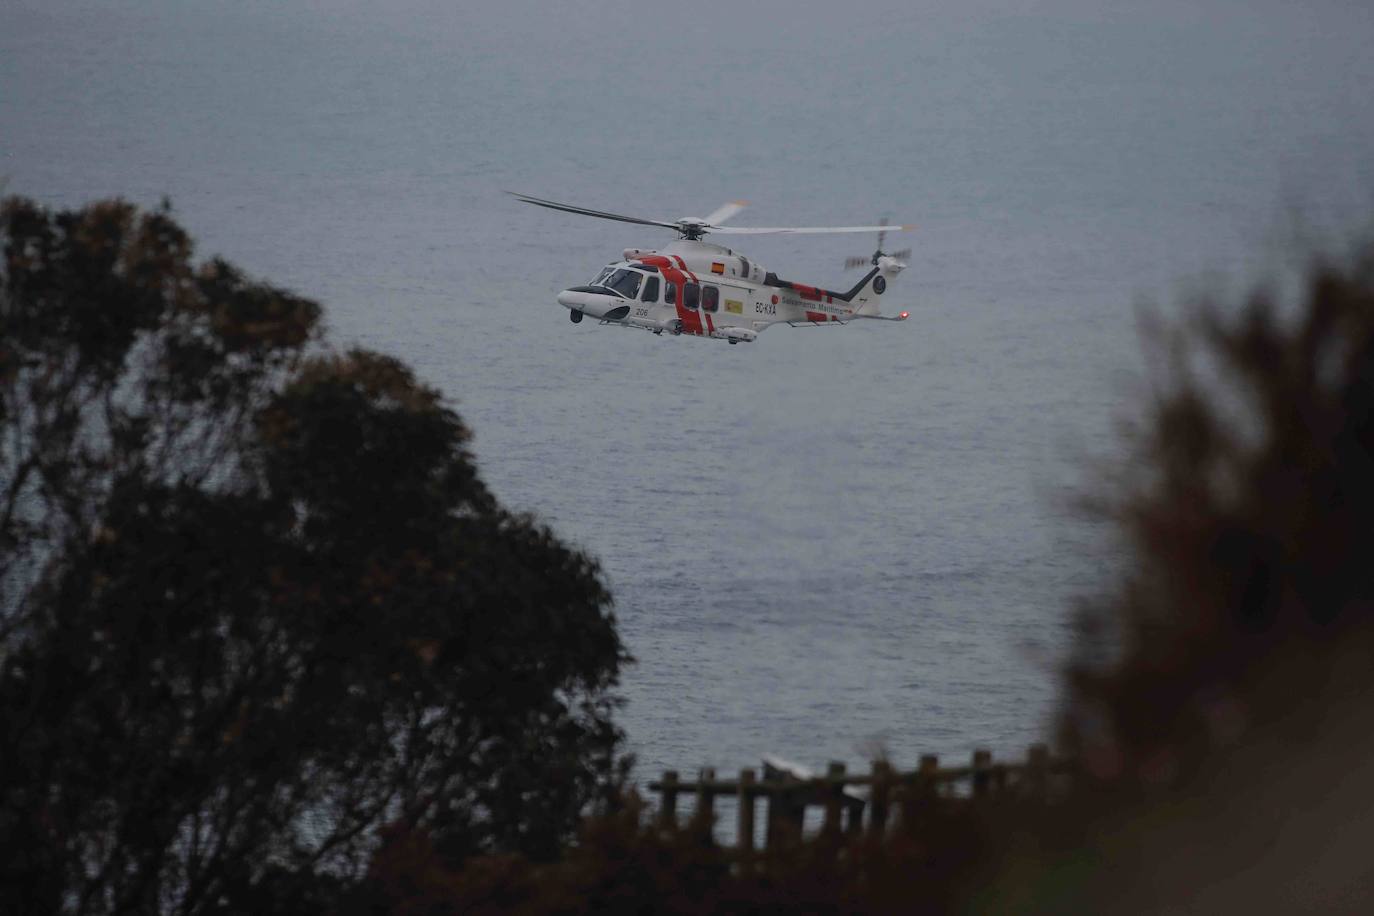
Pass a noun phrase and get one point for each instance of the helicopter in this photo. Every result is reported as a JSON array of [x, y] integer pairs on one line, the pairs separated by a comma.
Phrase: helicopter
[[699, 289]]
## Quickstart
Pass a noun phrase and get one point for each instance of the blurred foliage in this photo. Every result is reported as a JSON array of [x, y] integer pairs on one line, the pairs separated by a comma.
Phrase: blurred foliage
[[255, 602], [1249, 512], [1220, 706]]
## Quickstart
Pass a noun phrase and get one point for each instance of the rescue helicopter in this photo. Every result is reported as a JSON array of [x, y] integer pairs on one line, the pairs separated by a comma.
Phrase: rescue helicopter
[[700, 289]]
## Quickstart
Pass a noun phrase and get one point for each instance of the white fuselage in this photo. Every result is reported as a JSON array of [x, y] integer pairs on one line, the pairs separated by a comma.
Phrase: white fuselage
[[705, 290]]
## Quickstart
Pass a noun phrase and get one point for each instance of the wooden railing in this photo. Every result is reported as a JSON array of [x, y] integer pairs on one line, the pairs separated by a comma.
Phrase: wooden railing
[[890, 796]]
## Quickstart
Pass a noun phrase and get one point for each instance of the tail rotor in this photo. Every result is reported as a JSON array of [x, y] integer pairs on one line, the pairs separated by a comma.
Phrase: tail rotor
[[861, 261]]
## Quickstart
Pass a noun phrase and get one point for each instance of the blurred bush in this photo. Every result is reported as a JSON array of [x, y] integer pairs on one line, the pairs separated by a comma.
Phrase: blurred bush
[[1220, 708]]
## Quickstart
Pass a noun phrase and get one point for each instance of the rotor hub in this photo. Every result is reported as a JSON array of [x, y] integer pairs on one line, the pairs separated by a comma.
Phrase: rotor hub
[[692, 228]]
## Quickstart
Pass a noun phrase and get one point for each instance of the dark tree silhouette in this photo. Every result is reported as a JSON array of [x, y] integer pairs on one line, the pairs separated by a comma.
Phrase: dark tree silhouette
[[255, 603]]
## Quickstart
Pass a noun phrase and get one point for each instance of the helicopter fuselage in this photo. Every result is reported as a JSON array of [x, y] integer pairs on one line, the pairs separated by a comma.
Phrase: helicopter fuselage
[[704, 290]]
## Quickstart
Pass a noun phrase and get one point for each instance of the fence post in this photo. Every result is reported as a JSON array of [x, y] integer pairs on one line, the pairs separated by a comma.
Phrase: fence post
[[704, 816], [746, 813], [785, 813], [1038, 771], [877, 798], [668, 807], [921, 792], [929, 764], [834, 797], [982, 772]]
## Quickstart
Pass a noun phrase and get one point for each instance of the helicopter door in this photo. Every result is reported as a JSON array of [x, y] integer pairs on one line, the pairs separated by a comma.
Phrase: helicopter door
[[650, 290]]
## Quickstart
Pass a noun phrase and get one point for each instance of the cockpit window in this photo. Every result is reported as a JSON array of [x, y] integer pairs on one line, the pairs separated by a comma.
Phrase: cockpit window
[[651, 290], [625, 282], [602, 277]]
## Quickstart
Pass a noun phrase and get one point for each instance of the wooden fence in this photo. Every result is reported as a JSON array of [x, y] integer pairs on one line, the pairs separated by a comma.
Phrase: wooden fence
[[852, 803]]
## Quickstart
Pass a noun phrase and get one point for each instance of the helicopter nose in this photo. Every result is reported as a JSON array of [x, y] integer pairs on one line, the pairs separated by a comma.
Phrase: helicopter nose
[[593, 302]]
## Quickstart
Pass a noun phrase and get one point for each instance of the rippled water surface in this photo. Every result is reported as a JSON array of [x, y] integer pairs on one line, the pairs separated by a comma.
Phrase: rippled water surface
[[829, 541]]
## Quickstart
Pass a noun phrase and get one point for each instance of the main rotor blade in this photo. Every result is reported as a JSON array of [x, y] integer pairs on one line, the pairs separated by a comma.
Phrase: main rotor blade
[[600, 214], [725, 211], [802, 230]]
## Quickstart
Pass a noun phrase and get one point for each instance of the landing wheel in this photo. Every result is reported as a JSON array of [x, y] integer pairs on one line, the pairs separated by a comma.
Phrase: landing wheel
[[574, 316]]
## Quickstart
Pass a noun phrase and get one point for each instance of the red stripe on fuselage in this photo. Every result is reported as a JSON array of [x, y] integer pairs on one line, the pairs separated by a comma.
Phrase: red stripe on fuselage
[[695, 313], [691, 320], [683, 265]]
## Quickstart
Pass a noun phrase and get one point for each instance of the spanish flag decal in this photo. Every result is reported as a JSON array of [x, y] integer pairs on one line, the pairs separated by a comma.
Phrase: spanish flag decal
[[717, 267]]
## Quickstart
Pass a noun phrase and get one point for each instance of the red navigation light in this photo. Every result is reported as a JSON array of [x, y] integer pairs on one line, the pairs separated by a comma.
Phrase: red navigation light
[[904, 315]]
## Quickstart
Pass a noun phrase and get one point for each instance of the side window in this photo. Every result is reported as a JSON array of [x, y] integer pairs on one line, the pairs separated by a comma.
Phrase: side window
[[691, 293], [650, 290], [744, 266], [670, 293], [710, 298]]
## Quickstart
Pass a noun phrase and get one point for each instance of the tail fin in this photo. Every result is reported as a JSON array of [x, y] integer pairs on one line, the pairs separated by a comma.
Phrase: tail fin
[[868, 294]]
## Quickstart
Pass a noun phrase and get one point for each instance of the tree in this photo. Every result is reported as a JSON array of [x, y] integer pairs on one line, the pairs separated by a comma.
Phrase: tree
[[256, 605]]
